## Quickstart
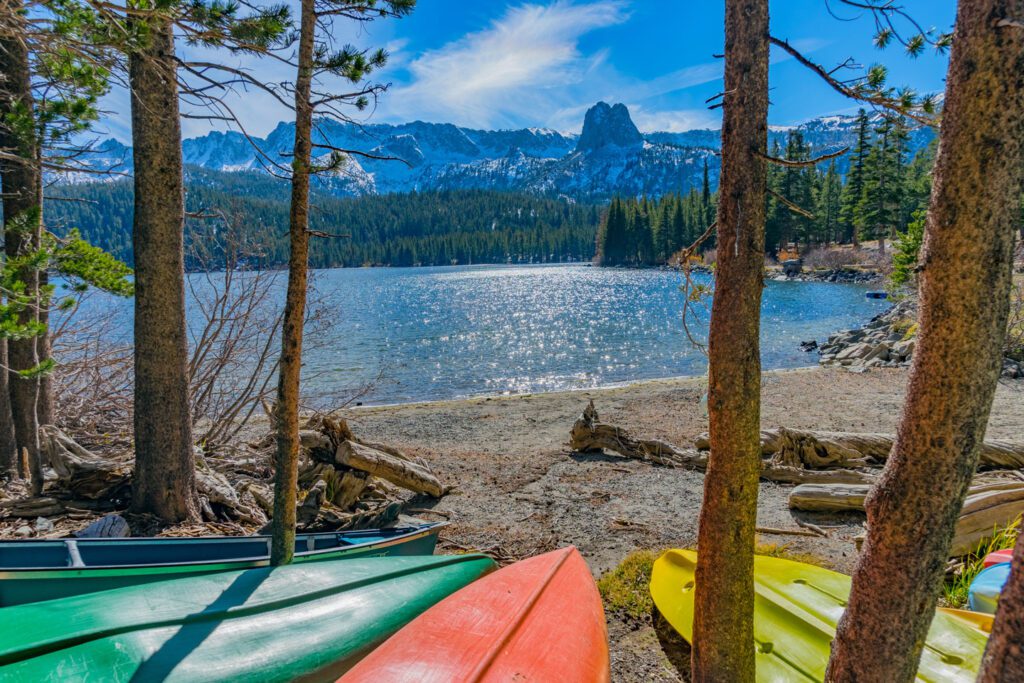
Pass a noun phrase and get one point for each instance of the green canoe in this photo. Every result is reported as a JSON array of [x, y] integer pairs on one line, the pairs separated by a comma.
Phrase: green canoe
[[47, 569], [311, 621]]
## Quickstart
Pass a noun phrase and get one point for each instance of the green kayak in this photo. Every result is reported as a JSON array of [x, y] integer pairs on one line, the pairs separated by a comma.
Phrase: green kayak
[[311, 621]]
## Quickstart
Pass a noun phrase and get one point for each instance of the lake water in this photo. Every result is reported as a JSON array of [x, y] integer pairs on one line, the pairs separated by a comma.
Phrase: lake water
[[438, 333]]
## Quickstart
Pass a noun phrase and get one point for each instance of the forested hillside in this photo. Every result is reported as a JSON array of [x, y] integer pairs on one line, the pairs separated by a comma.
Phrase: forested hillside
[[883, 192], [435, 228]]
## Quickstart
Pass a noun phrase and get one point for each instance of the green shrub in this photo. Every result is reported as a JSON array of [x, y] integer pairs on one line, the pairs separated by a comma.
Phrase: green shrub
[[907, 248]]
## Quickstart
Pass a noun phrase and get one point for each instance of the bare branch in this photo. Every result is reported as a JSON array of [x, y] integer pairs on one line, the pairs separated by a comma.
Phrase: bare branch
[[791, 206], [794, 163]]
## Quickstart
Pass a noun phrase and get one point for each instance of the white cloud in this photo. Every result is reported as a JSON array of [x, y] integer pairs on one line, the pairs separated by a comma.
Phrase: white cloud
[[515, 68], [672, 121]]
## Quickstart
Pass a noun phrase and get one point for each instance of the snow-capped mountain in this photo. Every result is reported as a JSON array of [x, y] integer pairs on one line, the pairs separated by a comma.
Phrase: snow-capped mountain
[[610, 156]]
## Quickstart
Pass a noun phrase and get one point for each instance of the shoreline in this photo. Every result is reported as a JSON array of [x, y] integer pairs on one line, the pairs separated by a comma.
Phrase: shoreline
[[671, 381]]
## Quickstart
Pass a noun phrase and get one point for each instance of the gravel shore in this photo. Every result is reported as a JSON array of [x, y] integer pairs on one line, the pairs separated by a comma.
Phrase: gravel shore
[[519, 490]]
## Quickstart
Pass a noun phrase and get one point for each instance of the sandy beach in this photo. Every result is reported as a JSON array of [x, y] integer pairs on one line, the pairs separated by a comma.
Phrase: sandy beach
[[519, 490]]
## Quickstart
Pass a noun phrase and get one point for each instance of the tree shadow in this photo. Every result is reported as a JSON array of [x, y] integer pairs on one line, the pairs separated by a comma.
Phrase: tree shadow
[[596, 456], [675, 647], [197, 627]]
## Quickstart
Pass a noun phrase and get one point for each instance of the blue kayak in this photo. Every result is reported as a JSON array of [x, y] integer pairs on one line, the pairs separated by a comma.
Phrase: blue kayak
[[983, 593], [45, 569]]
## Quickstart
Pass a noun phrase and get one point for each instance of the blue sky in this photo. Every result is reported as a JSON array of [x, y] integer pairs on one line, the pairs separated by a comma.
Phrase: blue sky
[[499, 64]]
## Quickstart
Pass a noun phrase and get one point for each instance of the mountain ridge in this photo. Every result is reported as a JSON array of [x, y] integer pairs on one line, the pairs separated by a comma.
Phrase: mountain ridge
[[610, 156]]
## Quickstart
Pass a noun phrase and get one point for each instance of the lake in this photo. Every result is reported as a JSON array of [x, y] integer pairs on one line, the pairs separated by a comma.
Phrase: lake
[[414, 334], [440, 333]]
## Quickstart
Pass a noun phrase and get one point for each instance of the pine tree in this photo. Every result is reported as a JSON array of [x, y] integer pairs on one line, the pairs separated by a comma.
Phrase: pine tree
[[881, 206], [913, 508], [827, 205], [774, 209], [723, 632], [48, 99], [796, 186], [850, 213], [315, 60]]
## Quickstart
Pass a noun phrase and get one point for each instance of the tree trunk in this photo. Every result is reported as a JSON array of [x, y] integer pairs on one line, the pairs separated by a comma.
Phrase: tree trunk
[[965, 290], [45, 411], [723, 634], [164, 483], [22, 204], [8, 447], [287, 457]]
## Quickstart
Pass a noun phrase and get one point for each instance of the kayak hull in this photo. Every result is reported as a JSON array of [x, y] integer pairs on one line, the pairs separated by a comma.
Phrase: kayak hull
[[311, 621], [983, 593], [997, 557], [796, 609], [540, 619], [121, 562]]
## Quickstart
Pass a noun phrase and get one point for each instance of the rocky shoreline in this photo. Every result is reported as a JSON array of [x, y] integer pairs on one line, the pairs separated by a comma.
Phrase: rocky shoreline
[[838, 275], [887, 340]]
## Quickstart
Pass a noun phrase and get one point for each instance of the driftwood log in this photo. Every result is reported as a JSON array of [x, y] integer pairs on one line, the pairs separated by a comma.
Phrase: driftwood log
[[849, 449], [80, 471], [354, 460], [590, 434], [828, 497], [986, 511], [988, 507], [401, 472], [354, 483]]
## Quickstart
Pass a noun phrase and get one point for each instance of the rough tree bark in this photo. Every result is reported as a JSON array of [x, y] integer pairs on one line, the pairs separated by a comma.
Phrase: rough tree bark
[[8, 446], [965, 288], [287, 410], [723, 634], [164, 483], [44, 406], [22, 204]]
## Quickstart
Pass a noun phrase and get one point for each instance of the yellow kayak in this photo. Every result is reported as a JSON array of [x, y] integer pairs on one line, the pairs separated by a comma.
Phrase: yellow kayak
[[796, 609]]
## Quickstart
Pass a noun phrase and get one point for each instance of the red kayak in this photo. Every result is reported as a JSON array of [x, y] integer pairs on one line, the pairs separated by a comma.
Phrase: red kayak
[[536, 620], [997, 557]]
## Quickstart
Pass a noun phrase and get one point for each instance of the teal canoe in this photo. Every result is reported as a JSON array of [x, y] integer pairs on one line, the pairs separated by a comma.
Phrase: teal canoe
[[311, 621], [35, 570]]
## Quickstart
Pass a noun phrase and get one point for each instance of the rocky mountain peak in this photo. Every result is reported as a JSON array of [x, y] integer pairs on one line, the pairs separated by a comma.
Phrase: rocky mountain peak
[[607, 126]]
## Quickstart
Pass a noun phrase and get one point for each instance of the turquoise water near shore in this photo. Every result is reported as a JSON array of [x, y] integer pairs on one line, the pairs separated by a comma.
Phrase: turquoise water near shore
[[420, 334]]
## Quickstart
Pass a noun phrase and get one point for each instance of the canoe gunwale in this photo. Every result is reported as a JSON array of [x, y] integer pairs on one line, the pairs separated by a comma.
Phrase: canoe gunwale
[[414, 533]]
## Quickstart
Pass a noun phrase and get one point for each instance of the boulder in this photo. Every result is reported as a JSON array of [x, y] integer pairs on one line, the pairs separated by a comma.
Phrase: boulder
[[903, 349], [854, 352], [880, 353]]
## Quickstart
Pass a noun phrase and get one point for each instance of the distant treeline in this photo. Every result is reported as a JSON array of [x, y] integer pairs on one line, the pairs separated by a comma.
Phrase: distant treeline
[[885, 190], [644, 231], [435, 228]]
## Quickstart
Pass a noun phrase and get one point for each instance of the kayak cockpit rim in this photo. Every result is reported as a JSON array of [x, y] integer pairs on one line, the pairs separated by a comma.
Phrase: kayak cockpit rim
[[75, 561]]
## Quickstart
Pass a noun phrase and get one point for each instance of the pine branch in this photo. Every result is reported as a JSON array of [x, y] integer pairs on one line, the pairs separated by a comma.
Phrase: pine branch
[[874, 98]]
